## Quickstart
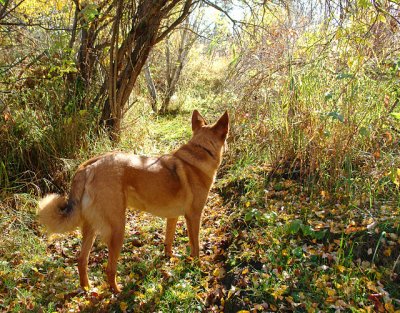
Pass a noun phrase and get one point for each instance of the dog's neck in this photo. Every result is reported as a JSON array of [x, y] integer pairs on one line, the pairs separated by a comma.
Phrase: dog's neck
[[207, 160]]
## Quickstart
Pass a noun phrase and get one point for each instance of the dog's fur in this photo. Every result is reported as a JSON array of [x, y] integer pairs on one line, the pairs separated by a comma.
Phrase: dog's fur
[[168, 186]]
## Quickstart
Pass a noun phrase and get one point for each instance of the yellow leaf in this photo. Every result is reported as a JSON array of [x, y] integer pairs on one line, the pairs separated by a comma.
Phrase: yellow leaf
[[389, 307], [60, 296], [331, 292], [396, 180], [139, 295], [123, 306], [265, 275], [59, 5], [341, 268], [387, 252], [337, 285], [219, 272], [325, 194], [245, 271], [382, 18], [371, 286], [279, 291], [243, 311], [289, 299], [247, 204], [330, 299]]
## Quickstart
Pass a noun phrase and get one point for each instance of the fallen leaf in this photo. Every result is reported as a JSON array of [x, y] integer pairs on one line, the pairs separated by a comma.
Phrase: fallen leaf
[[341, 268], [387, 252], [123, 306]]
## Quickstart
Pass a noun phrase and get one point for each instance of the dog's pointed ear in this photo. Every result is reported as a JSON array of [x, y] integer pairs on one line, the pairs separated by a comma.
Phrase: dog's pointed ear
[[222, 126], [197, 121]]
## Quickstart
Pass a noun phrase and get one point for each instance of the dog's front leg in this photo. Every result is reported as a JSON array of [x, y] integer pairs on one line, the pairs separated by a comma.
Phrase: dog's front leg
[[169, 235], [193, 226]]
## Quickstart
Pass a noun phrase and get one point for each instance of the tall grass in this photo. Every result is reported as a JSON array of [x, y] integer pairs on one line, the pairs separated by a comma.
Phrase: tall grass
[[330, 129], [40, 139]]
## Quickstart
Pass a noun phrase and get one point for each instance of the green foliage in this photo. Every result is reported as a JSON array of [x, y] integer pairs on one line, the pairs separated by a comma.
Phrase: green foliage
[[296, 226], [89, 12], [36, 137], [258, 217]]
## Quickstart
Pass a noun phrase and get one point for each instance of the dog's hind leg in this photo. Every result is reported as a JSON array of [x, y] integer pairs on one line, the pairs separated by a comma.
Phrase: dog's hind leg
[[114, 248], [169, 235], [193, 226], [88, 237]]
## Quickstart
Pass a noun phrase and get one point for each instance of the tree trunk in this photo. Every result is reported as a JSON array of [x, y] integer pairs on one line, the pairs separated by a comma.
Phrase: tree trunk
[[174, 68], [150, 87], [133, 53]]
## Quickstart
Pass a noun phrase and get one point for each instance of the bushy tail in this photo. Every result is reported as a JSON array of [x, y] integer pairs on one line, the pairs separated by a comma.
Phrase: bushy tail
[[60, 215], [57, 214]]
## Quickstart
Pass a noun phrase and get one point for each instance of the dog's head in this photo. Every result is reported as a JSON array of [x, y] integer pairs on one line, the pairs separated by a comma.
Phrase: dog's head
[[212, 136]]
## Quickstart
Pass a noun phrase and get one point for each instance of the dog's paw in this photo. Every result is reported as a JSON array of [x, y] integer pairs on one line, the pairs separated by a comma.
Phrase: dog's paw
[[116, 288], [172, 255], [194, 260]]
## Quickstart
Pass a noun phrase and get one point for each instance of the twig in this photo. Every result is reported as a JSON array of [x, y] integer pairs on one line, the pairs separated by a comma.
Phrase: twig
[[21, 24], [395, 263]]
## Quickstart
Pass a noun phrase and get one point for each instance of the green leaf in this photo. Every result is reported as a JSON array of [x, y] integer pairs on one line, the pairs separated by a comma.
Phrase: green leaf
[[83, 112], [294, 226], [364, 132], [319, 234], [395, 176], [364, 3], [297, 252], [235, 232], [90, 12], [307, 230], [344, 76], [328, 95], [2, 2], [396, 115], [248, 217], [336, 116]]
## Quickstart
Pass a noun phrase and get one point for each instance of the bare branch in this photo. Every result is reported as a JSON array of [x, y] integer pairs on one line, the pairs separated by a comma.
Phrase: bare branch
[[184, 14], [22, 24], [4, 8], [4, 14], [234, 22]]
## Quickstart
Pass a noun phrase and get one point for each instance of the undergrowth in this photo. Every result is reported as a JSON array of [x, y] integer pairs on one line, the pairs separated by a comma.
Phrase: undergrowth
[[269, 243]]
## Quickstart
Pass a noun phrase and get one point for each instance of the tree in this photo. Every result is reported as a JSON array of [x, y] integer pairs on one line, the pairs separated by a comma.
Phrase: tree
[[176, 47], [126, 60]]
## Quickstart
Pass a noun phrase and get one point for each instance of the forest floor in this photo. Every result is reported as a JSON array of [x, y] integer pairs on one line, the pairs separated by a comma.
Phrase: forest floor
[[268, 245]]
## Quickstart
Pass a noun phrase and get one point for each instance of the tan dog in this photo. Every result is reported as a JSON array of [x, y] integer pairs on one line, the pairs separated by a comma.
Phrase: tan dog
[[167, 186]]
